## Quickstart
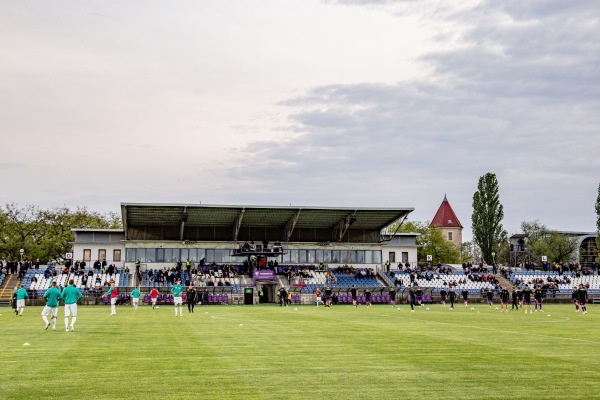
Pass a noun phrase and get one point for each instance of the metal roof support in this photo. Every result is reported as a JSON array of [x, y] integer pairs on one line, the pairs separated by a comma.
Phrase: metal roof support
[[183, 219], [387, 237], [291, 225], [238, 224], [342, 227]]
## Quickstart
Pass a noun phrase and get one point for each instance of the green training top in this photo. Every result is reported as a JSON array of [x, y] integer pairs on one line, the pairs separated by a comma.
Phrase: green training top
[[52, 296], [177, 290], [135, 294], [71, 294], [21, 294]]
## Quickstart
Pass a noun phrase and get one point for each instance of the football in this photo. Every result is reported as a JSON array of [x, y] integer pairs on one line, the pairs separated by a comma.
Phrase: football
[[496, 308], [472, 308], [295, 309], [427, 309]]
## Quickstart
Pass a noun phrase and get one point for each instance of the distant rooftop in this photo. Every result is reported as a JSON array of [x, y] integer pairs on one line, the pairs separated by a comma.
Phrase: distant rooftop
[[445, 216]]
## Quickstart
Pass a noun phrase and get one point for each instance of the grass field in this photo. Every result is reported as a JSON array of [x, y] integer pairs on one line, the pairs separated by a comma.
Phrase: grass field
[[268, 352]]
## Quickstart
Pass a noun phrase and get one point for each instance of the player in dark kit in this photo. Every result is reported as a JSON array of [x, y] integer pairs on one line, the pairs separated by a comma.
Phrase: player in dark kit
[[490, 295], [190, 298], [353, 294], [452, 296], [443, 295], [411, 294], [328, 297], [392, 297], [575, 298], [504, 299], [368, 297], [465, 296], [537, 295], [527, 299], [515, 299], [582, 298]]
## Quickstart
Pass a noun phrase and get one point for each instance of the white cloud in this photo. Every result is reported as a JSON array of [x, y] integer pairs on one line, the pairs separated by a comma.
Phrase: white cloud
[[370, 103]]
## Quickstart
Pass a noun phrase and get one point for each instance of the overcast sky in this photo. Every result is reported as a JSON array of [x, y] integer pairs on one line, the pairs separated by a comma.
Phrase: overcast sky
[[319, 103]]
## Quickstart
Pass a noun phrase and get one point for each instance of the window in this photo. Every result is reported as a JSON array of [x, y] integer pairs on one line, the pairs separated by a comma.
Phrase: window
[[302, 256], [376, 256], [160, 255], [171, 255], [449, 222], [450, 236], [150, 255], [87, 255], [319, 256], [130, 255], [117, 255], [101, 254], [392, 258], [404, 257]]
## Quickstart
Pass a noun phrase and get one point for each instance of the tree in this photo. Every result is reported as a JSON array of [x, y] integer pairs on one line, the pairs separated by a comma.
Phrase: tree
[[486, 221], [542, 241], [45, 234], [432, 242]]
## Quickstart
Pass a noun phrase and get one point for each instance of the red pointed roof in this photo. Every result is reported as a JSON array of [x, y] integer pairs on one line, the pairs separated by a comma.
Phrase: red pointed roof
[[445, 217]]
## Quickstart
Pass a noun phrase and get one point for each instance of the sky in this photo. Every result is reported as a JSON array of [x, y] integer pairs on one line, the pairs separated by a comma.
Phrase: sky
[[349, 103]]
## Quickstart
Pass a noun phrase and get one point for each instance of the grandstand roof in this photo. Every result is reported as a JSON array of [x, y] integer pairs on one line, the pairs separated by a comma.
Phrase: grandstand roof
[[445, 216], [245, 222]]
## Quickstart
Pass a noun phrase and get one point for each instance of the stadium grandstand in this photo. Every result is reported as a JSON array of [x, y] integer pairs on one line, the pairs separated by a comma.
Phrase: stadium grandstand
[[234, 251]]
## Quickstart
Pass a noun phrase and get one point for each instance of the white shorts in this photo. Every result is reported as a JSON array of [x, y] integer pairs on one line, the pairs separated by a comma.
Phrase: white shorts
[[319, 298], [71, 309], [47, 310], [154, 301], [113, 301], [178, 300], [20, 303], [135, 301]]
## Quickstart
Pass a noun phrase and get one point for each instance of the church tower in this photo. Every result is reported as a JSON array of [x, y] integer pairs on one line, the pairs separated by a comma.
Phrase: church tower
[[448, 222]]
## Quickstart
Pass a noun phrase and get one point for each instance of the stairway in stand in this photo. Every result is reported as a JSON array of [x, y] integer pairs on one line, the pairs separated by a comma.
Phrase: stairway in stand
[[503, 281], [7, 288]]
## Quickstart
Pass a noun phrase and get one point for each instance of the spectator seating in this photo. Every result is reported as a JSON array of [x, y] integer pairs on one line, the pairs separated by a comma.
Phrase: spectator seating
[[97, 280], [564, 287], [439, 281], [200, 279]]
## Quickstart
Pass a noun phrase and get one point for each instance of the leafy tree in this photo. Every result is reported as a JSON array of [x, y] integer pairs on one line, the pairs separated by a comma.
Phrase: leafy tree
[[45, 234], [431, 241], [486, 221], [542, 241], [470, 252]]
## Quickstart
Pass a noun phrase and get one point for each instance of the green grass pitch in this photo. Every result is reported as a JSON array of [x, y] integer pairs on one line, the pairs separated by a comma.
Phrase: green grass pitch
[[269, 352]]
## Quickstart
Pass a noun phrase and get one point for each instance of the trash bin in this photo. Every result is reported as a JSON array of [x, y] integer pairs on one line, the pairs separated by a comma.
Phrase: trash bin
[[249, 296]]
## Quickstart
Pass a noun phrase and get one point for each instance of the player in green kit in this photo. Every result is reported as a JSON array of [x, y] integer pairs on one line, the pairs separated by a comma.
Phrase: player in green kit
[[177, 292], [70, 296], [135, 298], [21, 294], [51, 296]]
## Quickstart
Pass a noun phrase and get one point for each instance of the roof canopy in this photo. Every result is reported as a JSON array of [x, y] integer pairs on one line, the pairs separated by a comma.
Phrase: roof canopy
[[198, 222]]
